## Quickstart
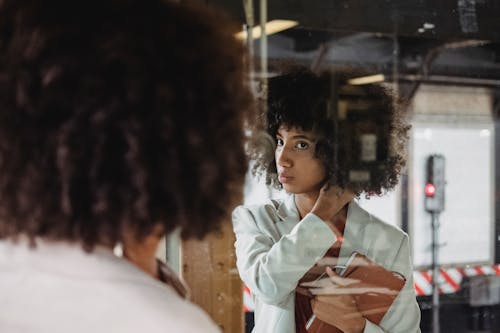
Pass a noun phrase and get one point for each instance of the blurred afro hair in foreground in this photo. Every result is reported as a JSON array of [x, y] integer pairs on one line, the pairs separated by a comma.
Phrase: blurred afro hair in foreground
[[118, 114]]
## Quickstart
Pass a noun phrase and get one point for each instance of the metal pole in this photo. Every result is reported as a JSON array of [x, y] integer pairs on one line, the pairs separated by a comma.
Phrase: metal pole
[[263, 48], [250, 23], [435, 274], [395, 65]]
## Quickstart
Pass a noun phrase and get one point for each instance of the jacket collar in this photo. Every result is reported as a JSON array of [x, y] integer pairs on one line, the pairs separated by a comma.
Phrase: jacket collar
[[287, 210]]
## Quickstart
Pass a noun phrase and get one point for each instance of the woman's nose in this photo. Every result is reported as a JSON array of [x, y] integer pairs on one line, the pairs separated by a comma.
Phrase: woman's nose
[[283, 158]]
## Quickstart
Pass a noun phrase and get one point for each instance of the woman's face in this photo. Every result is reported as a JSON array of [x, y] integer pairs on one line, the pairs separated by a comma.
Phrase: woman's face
[[299, 171]]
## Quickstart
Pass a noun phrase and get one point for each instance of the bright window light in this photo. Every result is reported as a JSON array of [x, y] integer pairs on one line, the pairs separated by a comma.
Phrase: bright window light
[[272, 27], [367, 79]]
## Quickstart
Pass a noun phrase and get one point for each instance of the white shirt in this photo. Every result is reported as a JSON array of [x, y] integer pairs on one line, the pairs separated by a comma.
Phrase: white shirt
[[57, 287]]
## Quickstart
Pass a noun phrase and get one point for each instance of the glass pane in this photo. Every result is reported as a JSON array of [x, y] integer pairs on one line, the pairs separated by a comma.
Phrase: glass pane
[[442, 60]]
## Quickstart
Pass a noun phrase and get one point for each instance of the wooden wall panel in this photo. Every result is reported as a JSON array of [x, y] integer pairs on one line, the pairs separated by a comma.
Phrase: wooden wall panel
[[209, 268]]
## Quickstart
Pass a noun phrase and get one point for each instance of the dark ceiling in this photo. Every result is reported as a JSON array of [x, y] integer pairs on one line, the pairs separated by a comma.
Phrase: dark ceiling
[[477, 19], [445, 41]]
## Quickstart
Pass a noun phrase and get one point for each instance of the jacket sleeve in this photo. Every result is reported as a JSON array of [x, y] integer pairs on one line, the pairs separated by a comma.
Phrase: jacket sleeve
[[272, 269], [404, 314]]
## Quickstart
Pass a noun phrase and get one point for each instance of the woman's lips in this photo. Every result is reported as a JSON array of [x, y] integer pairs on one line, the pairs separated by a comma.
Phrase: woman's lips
[[285, 179]]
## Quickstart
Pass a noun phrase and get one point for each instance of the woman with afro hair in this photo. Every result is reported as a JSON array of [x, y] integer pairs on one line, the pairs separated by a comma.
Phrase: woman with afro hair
[[120, 121], [333, 141]]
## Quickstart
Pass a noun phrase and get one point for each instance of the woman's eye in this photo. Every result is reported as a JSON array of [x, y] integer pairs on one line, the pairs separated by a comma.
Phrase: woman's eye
[[302, 145], [279, 142]]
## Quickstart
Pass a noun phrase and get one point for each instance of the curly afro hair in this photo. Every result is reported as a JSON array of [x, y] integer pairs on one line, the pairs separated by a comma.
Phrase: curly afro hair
[[118, 115], [303, 99]]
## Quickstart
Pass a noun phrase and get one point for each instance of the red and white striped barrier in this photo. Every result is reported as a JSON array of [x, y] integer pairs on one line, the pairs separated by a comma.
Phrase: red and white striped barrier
[[449, 281], [248, 304]]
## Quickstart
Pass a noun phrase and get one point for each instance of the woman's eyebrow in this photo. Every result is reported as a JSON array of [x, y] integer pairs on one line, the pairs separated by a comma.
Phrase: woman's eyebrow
[[301, 136]]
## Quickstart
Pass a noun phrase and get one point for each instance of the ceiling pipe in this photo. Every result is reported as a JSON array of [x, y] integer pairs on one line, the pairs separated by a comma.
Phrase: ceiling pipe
[[433, 53], [442, 79]]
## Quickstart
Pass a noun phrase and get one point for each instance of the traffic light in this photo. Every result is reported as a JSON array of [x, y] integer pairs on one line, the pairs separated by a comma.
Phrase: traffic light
[[435, 183]]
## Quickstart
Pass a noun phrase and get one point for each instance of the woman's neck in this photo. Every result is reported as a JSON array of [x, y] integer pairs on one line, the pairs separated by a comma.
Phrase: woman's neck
[[305, 202], [142, 252]]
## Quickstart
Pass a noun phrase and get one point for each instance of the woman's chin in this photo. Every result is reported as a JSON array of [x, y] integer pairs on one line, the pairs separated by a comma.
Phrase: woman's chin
[[289, 188], [293, 189]]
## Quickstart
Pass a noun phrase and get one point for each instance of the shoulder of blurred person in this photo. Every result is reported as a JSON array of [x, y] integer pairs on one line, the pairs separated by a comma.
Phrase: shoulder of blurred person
[[65, 289]]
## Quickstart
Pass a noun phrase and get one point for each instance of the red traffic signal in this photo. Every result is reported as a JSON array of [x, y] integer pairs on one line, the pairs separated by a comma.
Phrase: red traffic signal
[[430, 190], [435, 184]]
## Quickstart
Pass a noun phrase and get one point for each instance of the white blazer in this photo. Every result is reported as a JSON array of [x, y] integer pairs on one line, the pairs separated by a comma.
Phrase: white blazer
[[274, 251]]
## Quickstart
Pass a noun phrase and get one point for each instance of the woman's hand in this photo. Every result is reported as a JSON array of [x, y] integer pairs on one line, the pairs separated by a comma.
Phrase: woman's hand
[[339, 311], [331, 200], [339, 308]]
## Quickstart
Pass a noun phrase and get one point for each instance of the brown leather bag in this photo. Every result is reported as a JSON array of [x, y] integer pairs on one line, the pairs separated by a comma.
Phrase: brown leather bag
[[374, 292]]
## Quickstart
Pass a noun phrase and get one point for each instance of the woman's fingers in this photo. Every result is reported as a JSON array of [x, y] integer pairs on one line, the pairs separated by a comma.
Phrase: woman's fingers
[[325, 187], [331, 200], [303, 291], [346, 196], [321, 283], [339, 280], [334, 284]]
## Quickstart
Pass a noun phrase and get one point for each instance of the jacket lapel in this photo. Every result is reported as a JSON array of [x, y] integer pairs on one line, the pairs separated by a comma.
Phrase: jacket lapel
[[287, 213], [355, 238], [287, 210]]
